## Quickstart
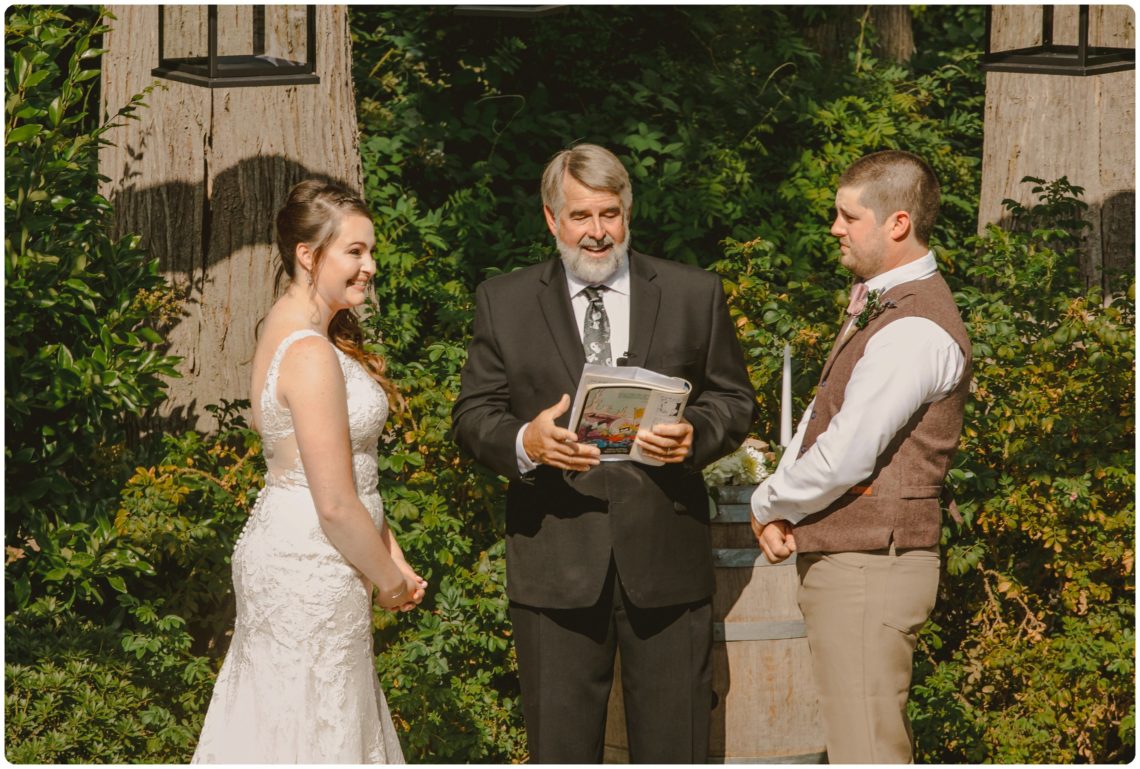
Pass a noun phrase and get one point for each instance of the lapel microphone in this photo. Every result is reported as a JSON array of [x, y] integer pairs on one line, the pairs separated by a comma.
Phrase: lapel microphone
[[624, 359]]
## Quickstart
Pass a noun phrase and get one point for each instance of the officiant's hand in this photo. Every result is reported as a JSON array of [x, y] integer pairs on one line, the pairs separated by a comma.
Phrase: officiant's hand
[[667, 443], [776, 539], [548, 444]]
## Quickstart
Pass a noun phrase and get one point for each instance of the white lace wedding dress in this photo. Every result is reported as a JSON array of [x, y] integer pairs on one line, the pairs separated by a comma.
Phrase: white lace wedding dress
[[298, 684]]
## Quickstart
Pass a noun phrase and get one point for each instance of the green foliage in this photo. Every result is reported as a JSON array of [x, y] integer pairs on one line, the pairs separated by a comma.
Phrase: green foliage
[[1033, 659], [166, 610], [182, 515], [92, 673], [80, 309], [448, 667], [783, 282], [735, 130], [78, 691]]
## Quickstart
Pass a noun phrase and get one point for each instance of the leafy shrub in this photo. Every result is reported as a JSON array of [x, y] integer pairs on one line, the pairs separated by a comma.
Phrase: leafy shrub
[[162, 634], [77, 695], [181, 517], [1032, 657], [448, 668], [89, 677], [735, 131], [81, 351]]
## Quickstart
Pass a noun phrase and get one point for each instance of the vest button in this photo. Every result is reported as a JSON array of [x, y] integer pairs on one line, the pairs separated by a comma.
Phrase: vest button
[[812, 416], [823, 383], [802, 451]]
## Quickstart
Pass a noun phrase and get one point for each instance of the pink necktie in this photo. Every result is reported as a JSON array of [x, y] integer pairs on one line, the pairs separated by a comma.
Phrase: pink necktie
[[858, 299]]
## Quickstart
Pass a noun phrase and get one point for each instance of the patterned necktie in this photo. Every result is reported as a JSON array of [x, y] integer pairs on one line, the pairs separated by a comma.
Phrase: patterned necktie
[[596, 328]]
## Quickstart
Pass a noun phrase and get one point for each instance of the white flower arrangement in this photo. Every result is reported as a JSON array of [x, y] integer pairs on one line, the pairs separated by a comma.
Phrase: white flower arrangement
[[746, 466]]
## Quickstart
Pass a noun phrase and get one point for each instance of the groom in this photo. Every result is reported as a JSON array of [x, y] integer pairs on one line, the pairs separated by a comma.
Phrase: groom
[[856, 495], [615, 555]]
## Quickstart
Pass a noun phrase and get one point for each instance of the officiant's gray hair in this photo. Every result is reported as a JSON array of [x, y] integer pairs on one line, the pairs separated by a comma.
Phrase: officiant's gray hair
[[591, 165]]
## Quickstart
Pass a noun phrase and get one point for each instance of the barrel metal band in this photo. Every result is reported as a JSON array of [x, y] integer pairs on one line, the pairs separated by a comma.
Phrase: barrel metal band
[[745, 558], [733, 513], [803, 758], [773, 630], [731, 494]]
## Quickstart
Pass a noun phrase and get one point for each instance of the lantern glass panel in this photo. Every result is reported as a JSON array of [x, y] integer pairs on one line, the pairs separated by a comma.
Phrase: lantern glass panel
[[1110, 26], [285, 36], [185, 32], [1066, 25], [235, 30], [274, 33], [1015, 27], [1020, 26]]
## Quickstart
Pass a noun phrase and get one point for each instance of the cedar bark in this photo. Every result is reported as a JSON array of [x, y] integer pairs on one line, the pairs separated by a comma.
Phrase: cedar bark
[[893, 26], [202, 173], [1049, 126]]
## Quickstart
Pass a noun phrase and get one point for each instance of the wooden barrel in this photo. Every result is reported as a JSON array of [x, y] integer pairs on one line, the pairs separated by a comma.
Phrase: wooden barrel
[[765, 708]]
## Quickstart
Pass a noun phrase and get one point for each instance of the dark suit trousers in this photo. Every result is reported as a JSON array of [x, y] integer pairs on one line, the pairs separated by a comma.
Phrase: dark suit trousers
[[566, 662]]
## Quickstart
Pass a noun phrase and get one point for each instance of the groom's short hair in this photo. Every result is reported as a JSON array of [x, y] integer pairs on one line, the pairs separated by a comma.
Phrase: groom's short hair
[[894, 180]]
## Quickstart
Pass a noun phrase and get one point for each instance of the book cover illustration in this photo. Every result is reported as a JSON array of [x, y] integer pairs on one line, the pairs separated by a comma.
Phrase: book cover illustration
[[610, 416], [613, 403]]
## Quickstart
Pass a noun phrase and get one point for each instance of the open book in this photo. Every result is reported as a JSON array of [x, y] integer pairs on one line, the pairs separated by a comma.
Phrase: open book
[[614, 402]]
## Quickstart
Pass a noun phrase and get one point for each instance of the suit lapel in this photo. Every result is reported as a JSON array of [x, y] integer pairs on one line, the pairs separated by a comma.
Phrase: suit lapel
[[644, 301], [554, 298]]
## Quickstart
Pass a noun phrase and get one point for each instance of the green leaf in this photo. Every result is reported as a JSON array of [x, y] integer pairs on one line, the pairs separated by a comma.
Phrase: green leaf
[[23, 133], [55, 111]]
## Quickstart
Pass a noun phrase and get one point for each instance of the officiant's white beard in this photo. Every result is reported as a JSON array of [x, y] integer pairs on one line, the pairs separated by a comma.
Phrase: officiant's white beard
[[591, 269]]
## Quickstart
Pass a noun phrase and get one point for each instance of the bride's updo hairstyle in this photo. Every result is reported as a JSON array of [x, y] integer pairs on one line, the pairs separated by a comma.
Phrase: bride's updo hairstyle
[[312, 214]]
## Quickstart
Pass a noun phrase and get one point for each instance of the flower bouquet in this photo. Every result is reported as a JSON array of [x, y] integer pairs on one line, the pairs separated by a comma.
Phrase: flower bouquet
[[747, 466]]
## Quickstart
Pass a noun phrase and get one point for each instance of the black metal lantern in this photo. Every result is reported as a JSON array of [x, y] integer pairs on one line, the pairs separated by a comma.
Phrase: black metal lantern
[[259, 45], [1048, 58]]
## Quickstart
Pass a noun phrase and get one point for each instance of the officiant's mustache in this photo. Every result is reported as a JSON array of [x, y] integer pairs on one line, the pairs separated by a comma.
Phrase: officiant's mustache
[[601, 242]]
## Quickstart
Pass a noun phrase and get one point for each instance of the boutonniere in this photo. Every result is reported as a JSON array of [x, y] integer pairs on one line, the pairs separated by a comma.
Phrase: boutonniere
[[874, 307]]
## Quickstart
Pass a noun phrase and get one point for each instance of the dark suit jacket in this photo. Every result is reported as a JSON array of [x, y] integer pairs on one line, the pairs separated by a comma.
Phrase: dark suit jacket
[[562, 527]]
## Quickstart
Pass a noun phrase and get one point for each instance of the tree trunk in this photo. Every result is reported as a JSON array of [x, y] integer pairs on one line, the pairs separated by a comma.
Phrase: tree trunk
[[1049, 126], [201, 174], [841, 28], [895, 27]]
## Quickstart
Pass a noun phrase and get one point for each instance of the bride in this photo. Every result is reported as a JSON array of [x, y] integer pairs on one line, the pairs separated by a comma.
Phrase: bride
[[299, 684]]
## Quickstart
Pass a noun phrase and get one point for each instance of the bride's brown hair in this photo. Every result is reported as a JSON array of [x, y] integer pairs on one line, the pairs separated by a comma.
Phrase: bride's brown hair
[[312, 214]]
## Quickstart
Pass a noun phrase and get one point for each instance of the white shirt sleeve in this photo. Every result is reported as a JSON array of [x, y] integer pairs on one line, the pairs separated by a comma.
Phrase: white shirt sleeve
[[908, 363], [525, 463]]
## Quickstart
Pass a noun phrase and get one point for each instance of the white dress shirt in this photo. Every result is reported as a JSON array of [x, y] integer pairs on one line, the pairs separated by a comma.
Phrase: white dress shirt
[[908, 363], [616, 300]]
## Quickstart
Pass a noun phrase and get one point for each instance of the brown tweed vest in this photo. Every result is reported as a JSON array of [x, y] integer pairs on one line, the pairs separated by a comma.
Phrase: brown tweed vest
[[900, 500]]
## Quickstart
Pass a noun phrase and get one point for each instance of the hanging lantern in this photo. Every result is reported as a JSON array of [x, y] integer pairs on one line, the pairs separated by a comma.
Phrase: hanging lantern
[[1049, 58], [238, 45]]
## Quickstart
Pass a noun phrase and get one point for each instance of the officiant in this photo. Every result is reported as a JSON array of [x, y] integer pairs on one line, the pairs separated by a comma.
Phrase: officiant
[[610, 556]]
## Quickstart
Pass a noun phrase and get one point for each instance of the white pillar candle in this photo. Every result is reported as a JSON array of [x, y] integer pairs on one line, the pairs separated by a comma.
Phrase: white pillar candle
[[786, 399]]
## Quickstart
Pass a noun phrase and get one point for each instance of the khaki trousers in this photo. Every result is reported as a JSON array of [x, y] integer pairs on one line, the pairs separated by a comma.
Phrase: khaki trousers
[[863, 611]]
